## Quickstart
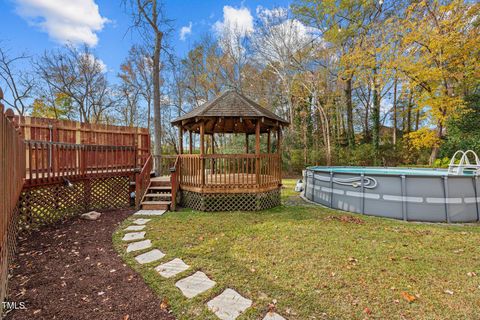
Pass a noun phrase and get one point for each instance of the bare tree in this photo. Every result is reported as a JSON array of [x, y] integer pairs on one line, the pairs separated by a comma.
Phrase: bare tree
[[20, 83], [136, 85], [148, 17], [78, 74], [276, 42]]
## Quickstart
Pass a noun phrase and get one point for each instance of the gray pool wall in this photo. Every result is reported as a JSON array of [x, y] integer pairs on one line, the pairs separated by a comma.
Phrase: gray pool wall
[[410, 197]]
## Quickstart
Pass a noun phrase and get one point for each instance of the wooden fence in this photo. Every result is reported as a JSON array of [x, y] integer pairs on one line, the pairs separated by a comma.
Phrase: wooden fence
[[12, 174], [72, 132]]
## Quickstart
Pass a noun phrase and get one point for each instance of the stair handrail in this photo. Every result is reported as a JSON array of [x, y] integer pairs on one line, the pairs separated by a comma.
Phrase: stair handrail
[[142, 181], [175, 181]]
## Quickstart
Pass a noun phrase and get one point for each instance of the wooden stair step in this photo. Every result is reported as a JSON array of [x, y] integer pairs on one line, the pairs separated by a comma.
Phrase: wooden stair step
[[160, 188], [157, 202], [160, 183], [158, 195], [156, 205]]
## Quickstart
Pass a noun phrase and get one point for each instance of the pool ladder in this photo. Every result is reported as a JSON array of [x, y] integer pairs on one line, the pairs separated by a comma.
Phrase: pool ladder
[[464, 163]]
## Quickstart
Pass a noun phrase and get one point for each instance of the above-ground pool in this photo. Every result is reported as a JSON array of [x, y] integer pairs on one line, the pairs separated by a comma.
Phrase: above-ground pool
[[412, 194]]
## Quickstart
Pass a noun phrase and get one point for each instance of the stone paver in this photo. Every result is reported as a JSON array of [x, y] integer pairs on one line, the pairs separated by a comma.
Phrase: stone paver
[[134, 228], [141, 221], [133, 236], [140, 245], [273, 316], [172, 268], [92, 215], [229, 304], [195, 284], [149, 213], [150, 256]]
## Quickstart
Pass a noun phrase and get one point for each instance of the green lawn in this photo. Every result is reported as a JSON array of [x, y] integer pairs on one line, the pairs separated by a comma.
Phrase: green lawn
[[318, 263]]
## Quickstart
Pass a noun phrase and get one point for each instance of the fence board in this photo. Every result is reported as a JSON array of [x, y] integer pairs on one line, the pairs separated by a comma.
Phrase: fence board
[[12, 174]]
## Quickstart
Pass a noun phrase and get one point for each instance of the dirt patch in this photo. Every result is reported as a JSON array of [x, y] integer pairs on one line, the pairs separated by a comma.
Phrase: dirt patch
[[346, 219], [72, 271]]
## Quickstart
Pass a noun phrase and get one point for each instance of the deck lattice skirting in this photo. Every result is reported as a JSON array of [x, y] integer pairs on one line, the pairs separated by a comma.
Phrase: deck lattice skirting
[[47, 204], [231, 201]]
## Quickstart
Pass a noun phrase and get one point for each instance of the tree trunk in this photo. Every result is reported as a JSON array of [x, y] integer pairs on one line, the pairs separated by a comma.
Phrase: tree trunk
[[395, 81], [366, 133], [376, 114], [409, 113], [434, 154], [417, 120], [349, 105], [157, 121]]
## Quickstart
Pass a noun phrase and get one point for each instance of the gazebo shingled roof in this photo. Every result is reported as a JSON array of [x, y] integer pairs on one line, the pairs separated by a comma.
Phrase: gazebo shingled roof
[[230, 105]]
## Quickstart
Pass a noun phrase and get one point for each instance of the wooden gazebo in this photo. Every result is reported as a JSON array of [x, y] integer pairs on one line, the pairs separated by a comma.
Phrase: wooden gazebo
[[224, 182]]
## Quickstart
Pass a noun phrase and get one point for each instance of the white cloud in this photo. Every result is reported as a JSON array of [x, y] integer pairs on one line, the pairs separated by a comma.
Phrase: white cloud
[[185, 31], [265, 13], [95, 62], [70, 21], [280, 36], [238, 21]]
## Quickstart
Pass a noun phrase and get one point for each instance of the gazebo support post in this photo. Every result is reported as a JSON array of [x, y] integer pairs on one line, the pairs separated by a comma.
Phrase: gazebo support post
[[202, 152], [268, 141], [180, 140], [213, 152], [279, 144], [190, 141], [246, 142], [257, 151]]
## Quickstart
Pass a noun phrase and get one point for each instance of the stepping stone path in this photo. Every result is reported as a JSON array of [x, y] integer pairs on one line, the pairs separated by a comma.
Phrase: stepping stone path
[[133, 236], [195, 284], [149, 213], [172, 268], [273, 316], [150, 256], [140, 245], [141, 221], [134, 228], [229, 304], [226, 306]]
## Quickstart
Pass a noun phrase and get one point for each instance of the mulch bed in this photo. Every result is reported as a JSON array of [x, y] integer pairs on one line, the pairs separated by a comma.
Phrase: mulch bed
[[72, 271]]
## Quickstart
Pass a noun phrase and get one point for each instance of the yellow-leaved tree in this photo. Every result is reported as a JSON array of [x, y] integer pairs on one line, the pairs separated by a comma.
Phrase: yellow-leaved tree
[[440, 54]]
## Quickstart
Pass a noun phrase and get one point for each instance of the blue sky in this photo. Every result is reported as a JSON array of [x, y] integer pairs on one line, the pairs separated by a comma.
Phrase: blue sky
[[33, 26]]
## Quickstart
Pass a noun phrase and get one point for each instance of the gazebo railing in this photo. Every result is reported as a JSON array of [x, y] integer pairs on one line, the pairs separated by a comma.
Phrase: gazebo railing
[[217, 172]]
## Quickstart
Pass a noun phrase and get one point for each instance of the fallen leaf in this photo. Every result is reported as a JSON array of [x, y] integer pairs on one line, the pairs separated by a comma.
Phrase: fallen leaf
[[352, 259], [126, 317], [367, 310], [164, 304], [472, 274], [407, 296], [271, 307]]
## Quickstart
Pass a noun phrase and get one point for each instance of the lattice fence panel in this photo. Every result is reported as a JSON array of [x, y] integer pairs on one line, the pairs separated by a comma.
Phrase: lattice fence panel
[[109, 193], [192, 200], [231, 202], [48, 204], [269, 199]]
